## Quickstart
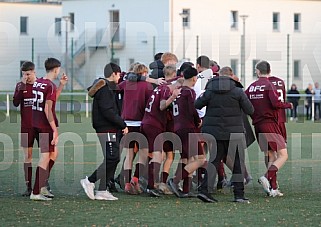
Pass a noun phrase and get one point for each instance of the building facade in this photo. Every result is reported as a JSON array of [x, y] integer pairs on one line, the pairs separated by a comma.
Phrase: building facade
[[28, 32], [234, 33]]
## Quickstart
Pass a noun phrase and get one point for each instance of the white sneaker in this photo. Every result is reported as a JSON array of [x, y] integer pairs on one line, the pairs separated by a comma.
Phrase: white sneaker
[[88, 187], [275, 193], [291, 118], [39, 197], [165, 189], [265, 184], [44, 191], [104, 195]]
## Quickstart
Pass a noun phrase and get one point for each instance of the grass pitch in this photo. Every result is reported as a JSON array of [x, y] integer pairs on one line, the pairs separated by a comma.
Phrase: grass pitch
[[299, 179]]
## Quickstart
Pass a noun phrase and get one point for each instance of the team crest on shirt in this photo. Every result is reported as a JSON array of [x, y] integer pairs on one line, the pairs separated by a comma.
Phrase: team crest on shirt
[[256, 88]]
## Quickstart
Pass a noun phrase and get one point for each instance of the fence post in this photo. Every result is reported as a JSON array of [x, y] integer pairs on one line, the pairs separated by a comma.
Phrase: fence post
[[312, 108], [87, 106], [8, 105]]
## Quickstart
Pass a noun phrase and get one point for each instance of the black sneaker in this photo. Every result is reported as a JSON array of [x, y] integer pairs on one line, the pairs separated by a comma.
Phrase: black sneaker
[[111, 186], [174, 187], [241, 200], [153, 192], [188, 195], [120, 181], [206, 197], [27, 192]]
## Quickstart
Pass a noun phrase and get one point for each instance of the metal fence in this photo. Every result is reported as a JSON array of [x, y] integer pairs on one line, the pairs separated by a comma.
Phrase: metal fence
[[73, 102], [79, 102]]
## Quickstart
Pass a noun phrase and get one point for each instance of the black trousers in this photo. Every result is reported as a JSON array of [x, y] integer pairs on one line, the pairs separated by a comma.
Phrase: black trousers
[[317, 110], [110, 147], [308, 111], [219, 151], [293, 112]]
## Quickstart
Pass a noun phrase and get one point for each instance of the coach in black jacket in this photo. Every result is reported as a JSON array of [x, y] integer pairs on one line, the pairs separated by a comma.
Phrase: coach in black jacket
[[108, 124], [226, 103]]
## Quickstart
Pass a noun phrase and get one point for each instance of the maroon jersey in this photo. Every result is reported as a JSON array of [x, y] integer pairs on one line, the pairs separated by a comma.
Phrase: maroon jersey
[[136, 95], [184, 112], [43, 90], [153, 115], [23, 96], [280, 89], [263, 96]]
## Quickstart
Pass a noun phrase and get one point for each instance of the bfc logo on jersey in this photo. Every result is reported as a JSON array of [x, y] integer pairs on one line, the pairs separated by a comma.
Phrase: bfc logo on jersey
[[277, 83], [40, 85], [256, 88]]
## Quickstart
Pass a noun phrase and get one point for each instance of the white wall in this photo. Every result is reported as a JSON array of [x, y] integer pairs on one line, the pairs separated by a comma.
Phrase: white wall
[[210, 20], [16, 47]]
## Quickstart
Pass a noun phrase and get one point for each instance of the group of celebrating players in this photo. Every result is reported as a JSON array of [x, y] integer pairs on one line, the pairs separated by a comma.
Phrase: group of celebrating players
[[194, 110]]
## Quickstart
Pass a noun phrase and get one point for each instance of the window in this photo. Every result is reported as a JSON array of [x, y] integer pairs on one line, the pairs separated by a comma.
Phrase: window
[[234, 66], [23, 25], [58, 26], [21, 62], [254, 62], [186, 17], [297, 22], [276, 21], [114, 25], [296, 69], [234, 20], [72, 21]]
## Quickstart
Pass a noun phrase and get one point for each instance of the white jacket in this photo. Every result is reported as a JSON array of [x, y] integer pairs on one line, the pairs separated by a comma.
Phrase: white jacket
[[202, 79]]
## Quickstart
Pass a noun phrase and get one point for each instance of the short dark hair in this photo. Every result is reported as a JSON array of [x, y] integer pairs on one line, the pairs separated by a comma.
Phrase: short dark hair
[[184, 66], [51, 63], [27, 66], [111, 68], [203, 61], [264, 67], [158, 56], [189, 72]]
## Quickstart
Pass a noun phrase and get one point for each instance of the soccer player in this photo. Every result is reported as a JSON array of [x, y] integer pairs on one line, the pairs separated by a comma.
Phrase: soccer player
[[186, 120], [280, 90], [23, 96], [136, 95], [109, 126], [263, 95], [45, 124], [154, 124]]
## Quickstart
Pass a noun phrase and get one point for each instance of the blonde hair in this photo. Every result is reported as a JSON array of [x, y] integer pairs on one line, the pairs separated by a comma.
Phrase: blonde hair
[[167, 56], [140, 69]]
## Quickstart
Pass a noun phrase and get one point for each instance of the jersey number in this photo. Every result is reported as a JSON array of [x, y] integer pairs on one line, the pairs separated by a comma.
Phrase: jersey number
[[281, 98], [37, 100], [175, 109], [149, 107]]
